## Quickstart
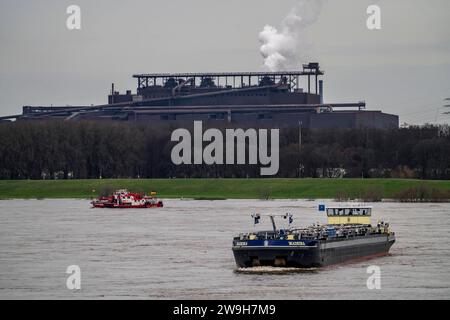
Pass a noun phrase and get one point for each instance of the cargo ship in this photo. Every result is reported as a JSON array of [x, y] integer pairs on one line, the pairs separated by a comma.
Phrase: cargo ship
[[123, 199], [348, 235]]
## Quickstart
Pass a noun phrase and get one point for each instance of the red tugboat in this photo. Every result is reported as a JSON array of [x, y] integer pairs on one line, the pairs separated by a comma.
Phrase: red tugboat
[[123, 199]]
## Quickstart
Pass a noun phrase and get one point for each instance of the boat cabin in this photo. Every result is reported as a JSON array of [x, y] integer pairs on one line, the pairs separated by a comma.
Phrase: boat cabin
[[349, 215]]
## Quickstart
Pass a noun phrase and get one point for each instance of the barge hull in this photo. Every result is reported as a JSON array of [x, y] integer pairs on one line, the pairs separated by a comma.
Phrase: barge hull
[[324, 253]]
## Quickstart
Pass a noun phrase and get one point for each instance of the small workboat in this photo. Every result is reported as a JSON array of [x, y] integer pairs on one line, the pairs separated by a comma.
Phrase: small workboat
[[123, 199]]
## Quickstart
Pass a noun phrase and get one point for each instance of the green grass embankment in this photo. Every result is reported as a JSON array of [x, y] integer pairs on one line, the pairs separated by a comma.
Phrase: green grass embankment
[[213, 188]]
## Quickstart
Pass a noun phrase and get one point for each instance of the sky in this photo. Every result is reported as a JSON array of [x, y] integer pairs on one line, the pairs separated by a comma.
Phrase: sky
[[402, 69]]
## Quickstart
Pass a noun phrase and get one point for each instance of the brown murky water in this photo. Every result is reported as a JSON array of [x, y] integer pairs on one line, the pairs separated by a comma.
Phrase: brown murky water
[[183, 251]]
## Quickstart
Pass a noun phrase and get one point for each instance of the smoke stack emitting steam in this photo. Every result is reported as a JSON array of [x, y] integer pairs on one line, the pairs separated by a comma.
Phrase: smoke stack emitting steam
[[280, 49]]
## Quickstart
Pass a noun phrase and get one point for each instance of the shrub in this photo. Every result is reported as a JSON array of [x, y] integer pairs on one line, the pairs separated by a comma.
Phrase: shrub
[[371, 194], [341, 196], [106, 190], [265, 193], [423, 193]]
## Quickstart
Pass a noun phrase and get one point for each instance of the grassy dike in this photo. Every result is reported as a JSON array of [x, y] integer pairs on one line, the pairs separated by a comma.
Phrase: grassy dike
[[212, 188]]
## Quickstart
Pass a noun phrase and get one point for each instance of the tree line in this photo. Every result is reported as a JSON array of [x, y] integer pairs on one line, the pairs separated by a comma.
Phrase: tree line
[[92, 150]]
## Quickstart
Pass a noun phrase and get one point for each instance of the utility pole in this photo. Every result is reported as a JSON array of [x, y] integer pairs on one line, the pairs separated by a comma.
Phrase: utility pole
[[299, 136], [444, 129], [447, 106], [299, 148]]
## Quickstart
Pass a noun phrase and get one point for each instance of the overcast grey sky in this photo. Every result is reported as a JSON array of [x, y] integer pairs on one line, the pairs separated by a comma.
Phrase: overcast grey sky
[[404, 68]]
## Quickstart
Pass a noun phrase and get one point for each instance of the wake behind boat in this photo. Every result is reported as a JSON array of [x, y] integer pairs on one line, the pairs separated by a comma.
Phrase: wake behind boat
[[123, 199], [348, 235]]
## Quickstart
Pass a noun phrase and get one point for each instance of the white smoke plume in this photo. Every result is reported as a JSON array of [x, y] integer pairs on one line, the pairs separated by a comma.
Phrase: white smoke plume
[[280, 48]]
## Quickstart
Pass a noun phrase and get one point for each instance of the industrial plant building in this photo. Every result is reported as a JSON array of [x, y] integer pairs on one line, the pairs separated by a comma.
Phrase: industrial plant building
[[273, 99]]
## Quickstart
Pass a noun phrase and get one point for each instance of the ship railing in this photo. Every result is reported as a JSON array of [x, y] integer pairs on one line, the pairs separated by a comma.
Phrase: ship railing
[[319, 232], [336, 231]]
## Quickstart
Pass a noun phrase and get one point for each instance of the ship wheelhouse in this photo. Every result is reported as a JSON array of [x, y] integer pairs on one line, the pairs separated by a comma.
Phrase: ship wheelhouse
[[349, 215]]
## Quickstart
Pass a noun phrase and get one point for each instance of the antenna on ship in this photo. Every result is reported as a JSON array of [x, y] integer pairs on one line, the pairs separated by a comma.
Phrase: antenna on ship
[[272, 219], [256, 217]]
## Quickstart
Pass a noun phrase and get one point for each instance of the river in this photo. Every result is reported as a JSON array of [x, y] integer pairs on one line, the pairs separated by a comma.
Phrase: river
[[183, 251]]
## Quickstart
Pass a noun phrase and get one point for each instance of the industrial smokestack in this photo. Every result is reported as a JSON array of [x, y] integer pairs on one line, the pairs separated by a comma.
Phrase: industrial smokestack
[[321, 91], [112, 93]]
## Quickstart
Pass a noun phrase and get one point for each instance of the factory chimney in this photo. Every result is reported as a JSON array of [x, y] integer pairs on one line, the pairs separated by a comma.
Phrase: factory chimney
[[321, 91], [112, 93]]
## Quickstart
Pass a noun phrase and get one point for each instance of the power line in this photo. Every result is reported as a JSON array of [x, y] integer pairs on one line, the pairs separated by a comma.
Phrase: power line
[[447, 106]]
